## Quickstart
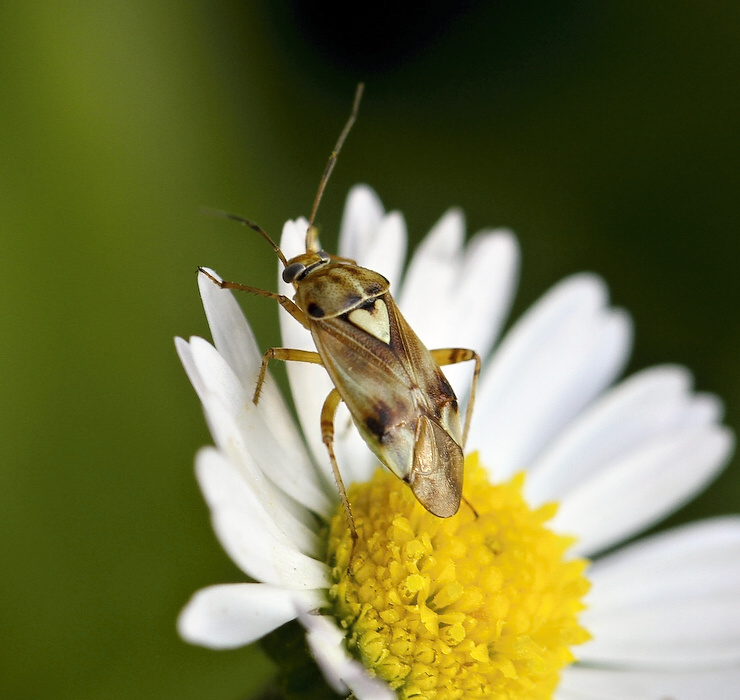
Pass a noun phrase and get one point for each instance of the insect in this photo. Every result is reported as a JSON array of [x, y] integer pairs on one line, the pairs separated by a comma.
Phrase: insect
[[397, 395]]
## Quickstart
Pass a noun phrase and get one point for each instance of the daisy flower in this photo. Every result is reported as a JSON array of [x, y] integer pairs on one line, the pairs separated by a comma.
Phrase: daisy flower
[[512, 600]]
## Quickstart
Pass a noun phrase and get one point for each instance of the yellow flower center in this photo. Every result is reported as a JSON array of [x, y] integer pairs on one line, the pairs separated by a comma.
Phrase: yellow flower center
[[463, 607]]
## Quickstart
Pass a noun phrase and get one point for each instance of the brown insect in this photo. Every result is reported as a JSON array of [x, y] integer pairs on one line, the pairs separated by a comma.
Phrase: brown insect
[[397, 395]]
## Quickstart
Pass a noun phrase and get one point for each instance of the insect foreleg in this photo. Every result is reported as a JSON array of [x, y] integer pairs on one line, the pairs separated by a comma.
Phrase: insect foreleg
[[288, 304], [286, 355], [327, 435], [451, 356]]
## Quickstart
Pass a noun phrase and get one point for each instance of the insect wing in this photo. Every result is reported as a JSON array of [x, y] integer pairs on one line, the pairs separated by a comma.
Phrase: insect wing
[[438, 396], [436, 475], [374, 385], [401, 403]]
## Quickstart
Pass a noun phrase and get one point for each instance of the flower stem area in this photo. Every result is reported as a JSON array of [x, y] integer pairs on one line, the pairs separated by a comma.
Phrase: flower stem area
[[299, 678]]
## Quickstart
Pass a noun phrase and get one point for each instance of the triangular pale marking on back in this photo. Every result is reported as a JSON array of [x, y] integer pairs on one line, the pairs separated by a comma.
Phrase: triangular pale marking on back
[[374, 321]]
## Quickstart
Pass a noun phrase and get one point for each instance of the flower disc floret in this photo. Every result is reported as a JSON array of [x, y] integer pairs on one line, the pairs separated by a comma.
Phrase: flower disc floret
[[483, 604]]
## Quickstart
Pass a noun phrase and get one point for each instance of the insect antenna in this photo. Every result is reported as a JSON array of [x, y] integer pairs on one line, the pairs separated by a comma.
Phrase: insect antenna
[[311, 243], [249, 224]]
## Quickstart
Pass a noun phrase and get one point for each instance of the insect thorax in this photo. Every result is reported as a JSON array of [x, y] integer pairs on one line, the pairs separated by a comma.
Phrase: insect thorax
[[337, 289]]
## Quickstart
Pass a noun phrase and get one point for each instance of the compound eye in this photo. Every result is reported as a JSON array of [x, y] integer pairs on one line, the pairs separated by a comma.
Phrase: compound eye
[[293, 271], [324, 255]]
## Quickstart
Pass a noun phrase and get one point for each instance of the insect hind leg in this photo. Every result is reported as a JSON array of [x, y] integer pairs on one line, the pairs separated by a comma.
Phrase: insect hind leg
[[452, 356], [328, 412]]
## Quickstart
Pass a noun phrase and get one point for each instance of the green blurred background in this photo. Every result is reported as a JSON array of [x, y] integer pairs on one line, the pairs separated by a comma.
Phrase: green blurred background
[[607, 135]]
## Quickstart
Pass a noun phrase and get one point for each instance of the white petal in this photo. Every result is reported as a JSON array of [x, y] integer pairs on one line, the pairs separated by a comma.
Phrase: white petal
[[236, 482], [342, 672], [700, 557], [483, 291], [455, 297], [668, 634], [669, 601], [706, 408], [651, 403], [296, 476], [207, 374], [429, 280], [214, 376], [371, 238], [643, 487], [232, 615], [479, 302], [560, 355], [248, 533], [293, 238], [580, 683], [460, 298], [231, 333], [229, 438], [236, 343], [363, 212], [186, 357]]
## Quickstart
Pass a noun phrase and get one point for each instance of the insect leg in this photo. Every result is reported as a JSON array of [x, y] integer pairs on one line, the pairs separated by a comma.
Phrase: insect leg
[[451, 356], [327, 435], [470, 505], [286, 355], [288, 304]]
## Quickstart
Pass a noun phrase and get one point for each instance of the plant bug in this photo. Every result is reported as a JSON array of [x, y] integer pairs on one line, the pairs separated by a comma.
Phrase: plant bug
[[398, 397]]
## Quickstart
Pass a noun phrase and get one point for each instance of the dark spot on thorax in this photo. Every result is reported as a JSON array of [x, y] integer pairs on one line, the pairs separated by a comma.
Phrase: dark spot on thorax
[[315, 311]]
